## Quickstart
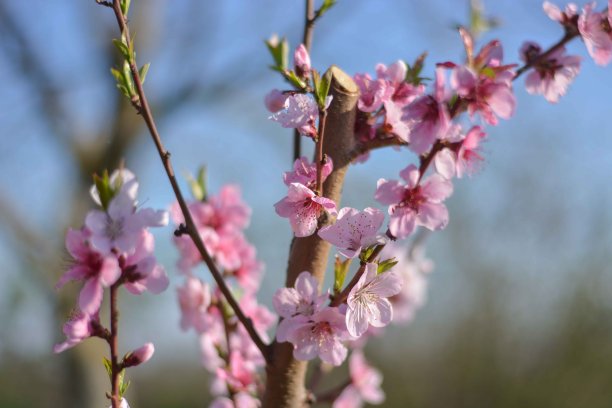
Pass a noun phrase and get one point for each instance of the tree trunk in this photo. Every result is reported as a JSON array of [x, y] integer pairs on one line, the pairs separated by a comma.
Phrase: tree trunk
[[286, 375]]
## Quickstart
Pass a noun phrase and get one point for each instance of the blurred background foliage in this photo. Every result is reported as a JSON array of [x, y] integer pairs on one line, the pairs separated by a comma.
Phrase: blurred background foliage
[[519, 312]]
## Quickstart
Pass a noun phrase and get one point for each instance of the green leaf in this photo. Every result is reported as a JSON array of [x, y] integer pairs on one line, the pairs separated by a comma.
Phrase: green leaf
[[123, 388], [366, 253], [341, 269], [125, 7], [413, 73], [127, 76], [324, 87], [386, 265], [109, 367], [105, 190], [122, 47], [327, 4], [280, 53], [295, 80], [488, 71], [198, 185], [142, 72]]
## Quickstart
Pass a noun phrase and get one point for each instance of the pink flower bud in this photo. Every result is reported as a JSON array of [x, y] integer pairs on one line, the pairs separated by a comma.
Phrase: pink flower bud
[[275, 100], [301, 60], [139, 356]]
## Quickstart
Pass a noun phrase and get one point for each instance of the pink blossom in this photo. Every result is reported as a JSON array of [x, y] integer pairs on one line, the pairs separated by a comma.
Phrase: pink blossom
[[364, 387], [303, 299], [301, 61], [303, 208], [427, 117], [249, 273], [305, 172], [320, 335], [209, 351], [484, 84], [300, 112], [139, 356], [596, 31], [194, 300], [141, 270], [394, 123], [261, 316], [564, 17], [120, 227], [97, 270], [124, 404], [401, 93], [239, 375], [412, 205], [373, 92], [413, 269], [462, 156], [78, 328], [219, 222], [354, 230], [552, 76], [275, 100], [367, 302], [240, 400]]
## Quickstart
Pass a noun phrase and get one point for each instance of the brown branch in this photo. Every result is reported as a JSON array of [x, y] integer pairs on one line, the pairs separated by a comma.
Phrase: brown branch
[[374, 144], [286, 376], [114, 345], [145, 111]]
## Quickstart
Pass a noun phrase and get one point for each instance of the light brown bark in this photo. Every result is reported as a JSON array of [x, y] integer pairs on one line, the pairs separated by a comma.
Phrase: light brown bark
[[286, 376]]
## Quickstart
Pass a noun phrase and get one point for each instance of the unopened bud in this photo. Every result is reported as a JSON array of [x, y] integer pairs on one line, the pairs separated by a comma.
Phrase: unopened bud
[[301, 60], [139, 356]]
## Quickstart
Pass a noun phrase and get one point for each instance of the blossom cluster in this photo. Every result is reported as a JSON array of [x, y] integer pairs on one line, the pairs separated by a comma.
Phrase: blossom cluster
[[114, 247], [395, 108], [227, 350]]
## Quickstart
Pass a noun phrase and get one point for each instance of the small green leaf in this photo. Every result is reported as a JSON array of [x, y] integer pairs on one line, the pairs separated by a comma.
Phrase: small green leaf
[[109, 367], [489, 72], [125, 7], [198, 184], [324, 87], [413, 73], [280, 52], [341, 269], [127, 76], [143, 72], [122, 47], [295, 80], [123, 388], [366, 253], [105, 191], [386, 265], [327, 4]]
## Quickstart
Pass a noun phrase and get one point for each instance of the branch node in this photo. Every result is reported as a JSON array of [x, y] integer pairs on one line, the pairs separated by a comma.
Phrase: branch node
[[181, 230]]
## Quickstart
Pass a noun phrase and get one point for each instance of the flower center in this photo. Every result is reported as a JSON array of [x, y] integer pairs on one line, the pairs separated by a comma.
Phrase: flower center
[[413, 199], [114, 228]]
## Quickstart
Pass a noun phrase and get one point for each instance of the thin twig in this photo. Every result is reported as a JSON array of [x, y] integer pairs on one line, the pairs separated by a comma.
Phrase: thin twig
[[319, 154], [569, 35], [144, 110], [113, 342]]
